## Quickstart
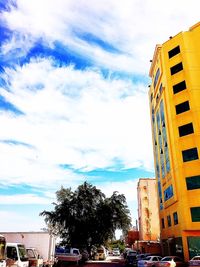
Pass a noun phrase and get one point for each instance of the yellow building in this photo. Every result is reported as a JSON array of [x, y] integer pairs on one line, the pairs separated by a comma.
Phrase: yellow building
[[175, 114], [148, 216]]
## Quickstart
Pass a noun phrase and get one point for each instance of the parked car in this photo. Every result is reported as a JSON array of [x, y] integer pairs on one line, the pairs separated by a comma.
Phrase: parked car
[[195, 261], [142, 256], [126, 251], [116, 252], [149, 261], [171, 261], [101, 253], [131, 258], [85, 256]]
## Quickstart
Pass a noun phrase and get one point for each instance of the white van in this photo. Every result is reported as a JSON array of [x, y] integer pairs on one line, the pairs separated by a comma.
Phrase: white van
[[16, 255]]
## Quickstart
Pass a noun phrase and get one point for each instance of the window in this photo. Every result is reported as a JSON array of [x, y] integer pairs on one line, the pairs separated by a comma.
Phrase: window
[[195, 214], [178, 67], [182, 107], [163, 223], [168, 193], [193, 182], [185, 129], [174, 51], [30, 253], [179, 87], [193, 245], [190, 154], [169, 222], [11, 252], [175, 216], [156, 77], [161, 89]]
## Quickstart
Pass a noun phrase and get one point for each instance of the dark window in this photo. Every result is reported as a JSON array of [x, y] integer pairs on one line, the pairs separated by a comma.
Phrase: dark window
[[11, 252], [156, 77], [190, 154], [163, 223], [193, 245], [182, 107], [185, 129], [179, 87], [195, 214], [193, 182], [175, 216], [178, 67], [174, 51], [169, 222], [161, 88]]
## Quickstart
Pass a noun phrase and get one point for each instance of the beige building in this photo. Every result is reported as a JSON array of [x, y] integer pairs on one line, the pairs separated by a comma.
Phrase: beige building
[[148, 215]]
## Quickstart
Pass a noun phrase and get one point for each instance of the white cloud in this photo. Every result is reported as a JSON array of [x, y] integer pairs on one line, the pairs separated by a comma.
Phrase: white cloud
[[78, 118], [20, 221], [132, 27], [24, 199]]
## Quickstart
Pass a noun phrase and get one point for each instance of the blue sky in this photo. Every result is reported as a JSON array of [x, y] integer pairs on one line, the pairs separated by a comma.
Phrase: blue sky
[[74, 98]]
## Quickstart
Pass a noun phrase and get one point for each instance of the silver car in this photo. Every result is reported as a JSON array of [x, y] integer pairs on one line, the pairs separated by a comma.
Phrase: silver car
[[149, 261]]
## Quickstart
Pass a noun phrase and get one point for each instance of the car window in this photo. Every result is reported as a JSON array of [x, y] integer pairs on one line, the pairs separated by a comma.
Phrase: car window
[[177, 259], [155, 259], [166, 259], [148, 258], [196, 258]]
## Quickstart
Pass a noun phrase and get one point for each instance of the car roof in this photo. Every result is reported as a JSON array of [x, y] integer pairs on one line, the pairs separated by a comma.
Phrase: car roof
[[196, 258]]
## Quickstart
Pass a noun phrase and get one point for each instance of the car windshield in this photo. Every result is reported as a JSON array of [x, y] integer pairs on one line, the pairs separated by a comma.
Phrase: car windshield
[[148, 258], [22, 253], [196, 258]]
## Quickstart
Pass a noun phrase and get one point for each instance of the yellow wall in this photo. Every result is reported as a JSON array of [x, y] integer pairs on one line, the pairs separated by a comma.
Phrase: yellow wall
[[182, 199]]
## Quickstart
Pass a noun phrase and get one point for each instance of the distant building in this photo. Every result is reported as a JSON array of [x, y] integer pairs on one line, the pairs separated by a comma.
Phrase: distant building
[[132, 237], [148, 216], [175, 111]]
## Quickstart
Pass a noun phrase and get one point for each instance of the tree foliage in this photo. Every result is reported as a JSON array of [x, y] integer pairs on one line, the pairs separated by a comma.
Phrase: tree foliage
[[86, 216]]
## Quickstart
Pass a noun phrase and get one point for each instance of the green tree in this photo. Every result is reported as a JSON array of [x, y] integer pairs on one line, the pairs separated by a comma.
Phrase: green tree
[[86, 217]]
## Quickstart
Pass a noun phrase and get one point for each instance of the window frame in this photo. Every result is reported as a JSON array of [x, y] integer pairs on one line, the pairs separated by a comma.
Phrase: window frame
[[187, 158], [186, 129], [176, 68], [189, 184], [174, 51], [179, 108], [175, 218], [193, 218]]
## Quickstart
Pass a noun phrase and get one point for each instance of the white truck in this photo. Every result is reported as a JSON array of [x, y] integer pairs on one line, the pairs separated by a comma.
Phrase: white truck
[[68, 255], [16, 255], [39, 245]]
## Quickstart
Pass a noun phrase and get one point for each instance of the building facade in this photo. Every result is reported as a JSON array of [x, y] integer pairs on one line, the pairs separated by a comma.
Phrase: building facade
[[175, 115], [148, 216]]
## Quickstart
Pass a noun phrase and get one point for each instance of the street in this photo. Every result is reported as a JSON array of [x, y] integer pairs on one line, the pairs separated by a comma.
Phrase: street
[[111, 261]]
